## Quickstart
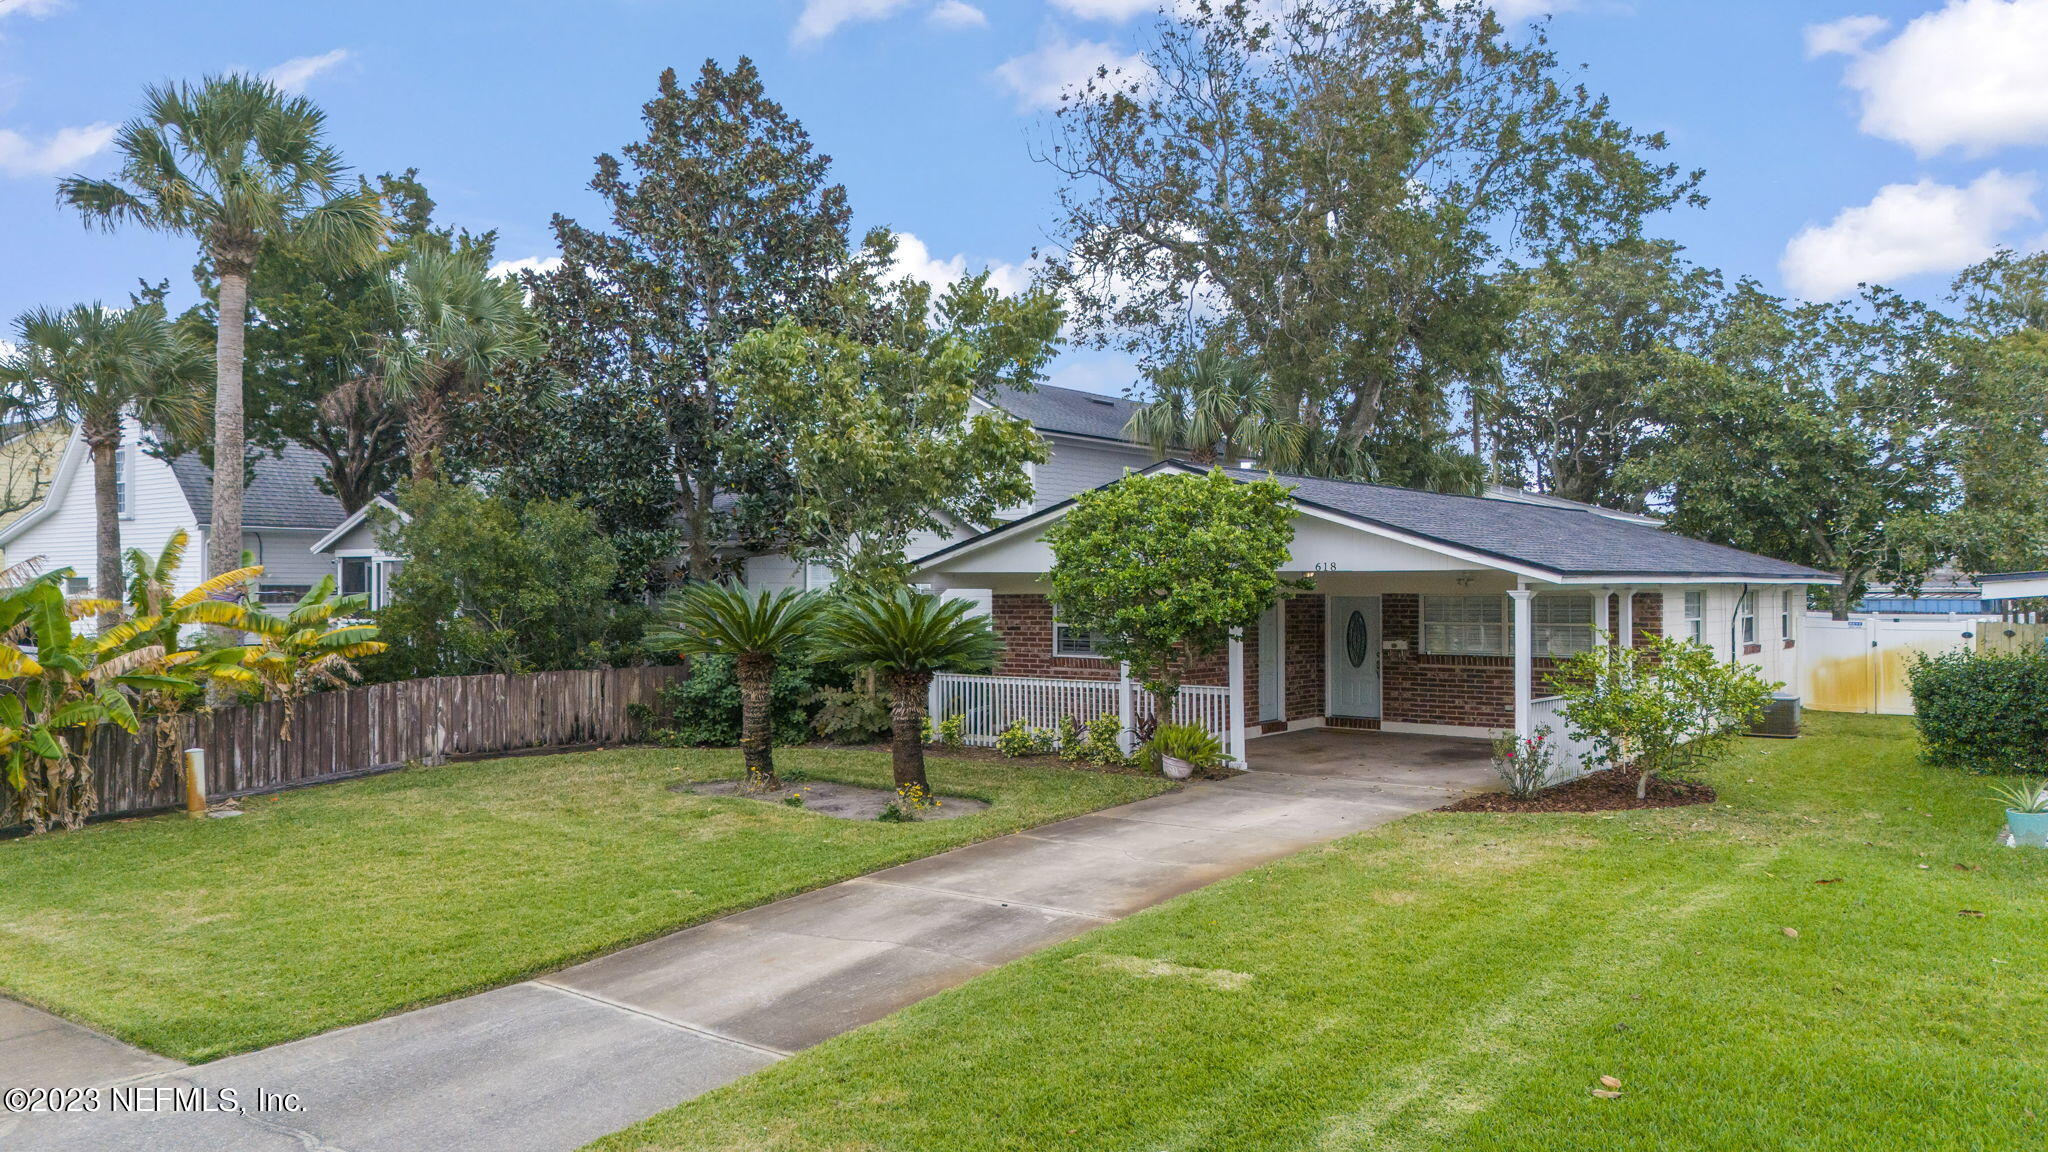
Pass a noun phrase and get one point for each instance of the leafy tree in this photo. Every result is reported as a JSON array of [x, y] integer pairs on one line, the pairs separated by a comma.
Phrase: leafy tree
[[495, 585], [1818, 433], [2001, 358], [1164, 568], [90, 365], [722, 222], [313, 646], [232, 162], [1331, 186], [908, 637], [756, 631], [878, 440], [1654, 709], [1595, 337]]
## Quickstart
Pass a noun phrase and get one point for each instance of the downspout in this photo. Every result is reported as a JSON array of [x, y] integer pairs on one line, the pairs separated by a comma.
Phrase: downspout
[[1734, 623]]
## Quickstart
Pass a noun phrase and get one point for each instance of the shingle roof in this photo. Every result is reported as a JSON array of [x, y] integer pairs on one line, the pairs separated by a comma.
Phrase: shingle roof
[[1561, 540], [1069, 410], [284, 493]]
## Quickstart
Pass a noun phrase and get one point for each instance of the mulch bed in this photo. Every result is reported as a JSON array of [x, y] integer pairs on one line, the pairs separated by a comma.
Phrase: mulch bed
[[1608, 790]]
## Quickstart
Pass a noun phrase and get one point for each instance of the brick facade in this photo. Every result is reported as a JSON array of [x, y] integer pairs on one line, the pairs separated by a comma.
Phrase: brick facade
[[1416, 688]]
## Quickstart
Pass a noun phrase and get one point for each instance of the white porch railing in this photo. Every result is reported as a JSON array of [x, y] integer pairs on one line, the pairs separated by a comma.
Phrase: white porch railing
[[990, 704], [1573, 756]]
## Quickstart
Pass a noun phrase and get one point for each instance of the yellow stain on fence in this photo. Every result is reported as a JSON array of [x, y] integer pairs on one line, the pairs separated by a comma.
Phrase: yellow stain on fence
[[1842, 684]]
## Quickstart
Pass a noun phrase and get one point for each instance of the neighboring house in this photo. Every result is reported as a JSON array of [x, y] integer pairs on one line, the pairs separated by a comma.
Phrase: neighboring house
[[29, 456], [284, 516], [1430, 613], [1084, 434]]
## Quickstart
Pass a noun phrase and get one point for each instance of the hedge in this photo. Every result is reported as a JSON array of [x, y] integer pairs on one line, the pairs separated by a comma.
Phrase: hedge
[[1983, 713]]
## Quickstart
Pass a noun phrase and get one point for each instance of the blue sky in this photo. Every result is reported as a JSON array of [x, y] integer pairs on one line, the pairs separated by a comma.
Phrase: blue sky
[[1894, 141]]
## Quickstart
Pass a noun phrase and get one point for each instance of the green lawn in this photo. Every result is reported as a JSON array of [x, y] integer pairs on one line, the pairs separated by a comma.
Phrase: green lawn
[[343, 903], [1462, 982]]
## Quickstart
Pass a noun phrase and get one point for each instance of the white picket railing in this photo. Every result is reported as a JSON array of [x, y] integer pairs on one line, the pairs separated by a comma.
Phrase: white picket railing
[[991, 704]]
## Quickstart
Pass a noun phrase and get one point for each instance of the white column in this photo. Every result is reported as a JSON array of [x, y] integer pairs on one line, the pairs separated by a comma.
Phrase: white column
[[1628, 617], [1125, 713], [1525, 640], [1238, 739], [1600, 621]]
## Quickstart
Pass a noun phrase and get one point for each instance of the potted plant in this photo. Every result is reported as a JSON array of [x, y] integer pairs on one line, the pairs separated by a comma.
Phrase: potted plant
[[1183, 749], [2026, 812]]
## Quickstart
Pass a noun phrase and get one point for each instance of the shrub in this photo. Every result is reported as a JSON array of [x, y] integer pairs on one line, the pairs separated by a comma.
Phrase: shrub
[[704, 709], [1069, 737], [858, 714], [1525, 765], [1654, 709], [1099, 742], [953, 730], [1189, 742], [1983, 713], [1021, 739]]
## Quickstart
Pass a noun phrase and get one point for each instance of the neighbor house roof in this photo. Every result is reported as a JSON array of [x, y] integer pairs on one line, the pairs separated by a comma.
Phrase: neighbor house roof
[[1550, 542], [1069, 410], [1546, 500], [283, 493]]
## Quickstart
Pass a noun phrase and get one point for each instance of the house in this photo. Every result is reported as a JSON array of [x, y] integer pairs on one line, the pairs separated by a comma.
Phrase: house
[[284, 516], [1084, 435], [1430, 613]]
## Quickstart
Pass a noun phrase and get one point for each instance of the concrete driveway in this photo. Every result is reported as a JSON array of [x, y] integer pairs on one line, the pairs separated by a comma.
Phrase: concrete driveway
[[552, 1063]]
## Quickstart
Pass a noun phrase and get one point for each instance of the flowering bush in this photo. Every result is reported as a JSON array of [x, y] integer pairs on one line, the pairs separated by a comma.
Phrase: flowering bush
[[1021, 739], [1524, 764]]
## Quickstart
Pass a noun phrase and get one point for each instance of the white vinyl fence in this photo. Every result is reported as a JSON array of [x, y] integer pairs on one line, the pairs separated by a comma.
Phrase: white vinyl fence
[[1860, 664], [991, 704], [1573, 757]]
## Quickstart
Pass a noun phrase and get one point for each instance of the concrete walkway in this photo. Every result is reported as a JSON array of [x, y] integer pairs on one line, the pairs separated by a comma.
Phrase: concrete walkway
[[558, 1061]]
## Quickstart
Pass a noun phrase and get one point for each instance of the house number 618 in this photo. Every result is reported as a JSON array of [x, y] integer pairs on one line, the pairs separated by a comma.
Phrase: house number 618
[[1326, 566]]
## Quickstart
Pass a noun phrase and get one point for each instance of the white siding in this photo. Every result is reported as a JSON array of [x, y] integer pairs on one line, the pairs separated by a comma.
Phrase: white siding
[[1078, 465], [1773, 661], [65, 538]]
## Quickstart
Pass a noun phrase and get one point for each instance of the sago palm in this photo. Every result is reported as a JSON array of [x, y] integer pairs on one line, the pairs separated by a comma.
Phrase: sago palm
[[233, 162], [90, 365], [305, 650], [755, 630], [458, 325], [908, 637]]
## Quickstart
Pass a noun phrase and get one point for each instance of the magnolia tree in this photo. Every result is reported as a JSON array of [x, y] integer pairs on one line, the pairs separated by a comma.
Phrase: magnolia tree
[[1657, 708], [1163, 569]]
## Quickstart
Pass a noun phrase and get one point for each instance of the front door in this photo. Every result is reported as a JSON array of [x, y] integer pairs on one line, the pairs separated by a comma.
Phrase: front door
[[1354, 647]]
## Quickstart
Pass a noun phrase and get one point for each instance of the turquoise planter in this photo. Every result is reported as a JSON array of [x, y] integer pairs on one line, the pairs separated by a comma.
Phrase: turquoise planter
[[2029, 829]]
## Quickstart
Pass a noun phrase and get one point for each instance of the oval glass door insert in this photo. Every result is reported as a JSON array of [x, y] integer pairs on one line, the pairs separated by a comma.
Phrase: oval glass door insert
[[1357, 640]]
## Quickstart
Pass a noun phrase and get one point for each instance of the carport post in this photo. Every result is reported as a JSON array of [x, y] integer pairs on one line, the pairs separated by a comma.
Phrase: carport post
[[1525, 640], [1126, 740]]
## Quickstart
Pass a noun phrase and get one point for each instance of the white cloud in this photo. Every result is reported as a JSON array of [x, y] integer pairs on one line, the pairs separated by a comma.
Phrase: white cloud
[[955, 14], [821, 18], [1844, 37], [29, 7], [293, 75], [1906, 230], [1517, 11], [540, 264], [1971, 76], [914, 261], [20, 156], [1039, 78], [1116, 10]]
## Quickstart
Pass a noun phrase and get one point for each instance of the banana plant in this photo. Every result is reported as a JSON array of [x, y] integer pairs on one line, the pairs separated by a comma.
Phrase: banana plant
[[305, 650], [58, 686]]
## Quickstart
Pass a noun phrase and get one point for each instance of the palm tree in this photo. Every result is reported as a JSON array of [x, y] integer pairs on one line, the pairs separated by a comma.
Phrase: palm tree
[[1217, 407], [723, 620], [304, 651], [233, 163], [458, 325], [909, 637], [90, 366]]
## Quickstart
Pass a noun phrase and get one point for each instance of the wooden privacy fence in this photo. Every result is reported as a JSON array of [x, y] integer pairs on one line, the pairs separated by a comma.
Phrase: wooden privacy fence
[[353, 731], [2011, 636]]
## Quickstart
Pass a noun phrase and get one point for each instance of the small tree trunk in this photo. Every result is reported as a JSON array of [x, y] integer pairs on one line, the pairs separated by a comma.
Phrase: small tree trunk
[[1642, 783], [1839, 601], [426, 427], [756, 673], [906, 727], [106, 457]]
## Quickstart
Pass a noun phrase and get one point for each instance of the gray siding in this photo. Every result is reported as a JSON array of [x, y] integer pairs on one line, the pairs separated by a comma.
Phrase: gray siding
[[1078, 465]]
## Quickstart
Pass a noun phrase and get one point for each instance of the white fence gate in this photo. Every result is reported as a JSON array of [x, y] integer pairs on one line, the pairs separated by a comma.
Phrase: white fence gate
[[1860, 664], [991, 704]]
